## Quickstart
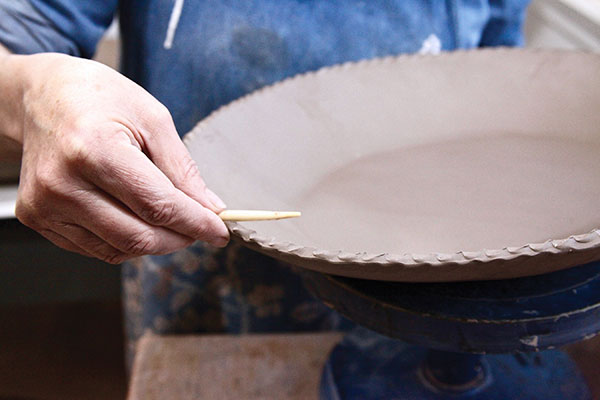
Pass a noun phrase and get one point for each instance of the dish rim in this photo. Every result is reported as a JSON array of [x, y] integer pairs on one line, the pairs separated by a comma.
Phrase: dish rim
[[576, 242]]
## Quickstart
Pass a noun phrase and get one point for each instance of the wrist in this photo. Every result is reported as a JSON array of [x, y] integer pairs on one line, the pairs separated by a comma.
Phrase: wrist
[[11, 101]]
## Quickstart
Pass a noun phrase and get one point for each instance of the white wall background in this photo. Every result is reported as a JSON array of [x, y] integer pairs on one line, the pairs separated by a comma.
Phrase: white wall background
[[567, 24]]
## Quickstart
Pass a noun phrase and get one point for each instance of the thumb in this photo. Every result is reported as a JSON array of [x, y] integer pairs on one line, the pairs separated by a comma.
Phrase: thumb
[[166, 150]]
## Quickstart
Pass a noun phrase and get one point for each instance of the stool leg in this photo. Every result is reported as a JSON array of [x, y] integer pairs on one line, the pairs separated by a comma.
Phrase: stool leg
[[454, 372], [368, 366]]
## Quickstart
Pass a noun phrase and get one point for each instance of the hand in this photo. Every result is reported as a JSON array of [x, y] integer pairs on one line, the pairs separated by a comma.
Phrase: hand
[[104, 172]]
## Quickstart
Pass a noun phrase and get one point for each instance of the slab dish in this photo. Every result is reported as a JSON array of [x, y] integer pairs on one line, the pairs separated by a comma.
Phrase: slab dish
[[468, 165]]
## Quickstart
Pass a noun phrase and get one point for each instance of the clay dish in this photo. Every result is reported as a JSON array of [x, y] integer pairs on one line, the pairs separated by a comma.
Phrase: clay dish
[[463, 166]]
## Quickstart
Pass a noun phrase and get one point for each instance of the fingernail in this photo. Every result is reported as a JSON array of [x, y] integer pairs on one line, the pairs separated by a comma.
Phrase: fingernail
[[215, 200]]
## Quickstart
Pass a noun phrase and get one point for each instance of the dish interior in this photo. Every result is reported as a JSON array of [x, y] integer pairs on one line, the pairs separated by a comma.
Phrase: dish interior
[[469, 194], [416, 155]]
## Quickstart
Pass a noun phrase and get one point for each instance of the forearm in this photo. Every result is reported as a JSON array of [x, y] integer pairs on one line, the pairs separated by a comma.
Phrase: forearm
[[10, 120], [11, 99]]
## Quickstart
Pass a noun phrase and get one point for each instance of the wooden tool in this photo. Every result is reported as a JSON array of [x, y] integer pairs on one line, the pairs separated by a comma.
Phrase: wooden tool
[[256, 215]]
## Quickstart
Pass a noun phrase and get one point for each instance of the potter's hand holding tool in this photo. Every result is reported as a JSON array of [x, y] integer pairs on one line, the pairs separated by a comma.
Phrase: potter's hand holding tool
[[104, 172]]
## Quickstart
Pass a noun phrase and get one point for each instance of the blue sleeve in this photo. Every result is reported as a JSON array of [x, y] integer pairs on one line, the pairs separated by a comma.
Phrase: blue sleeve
[[66, 26], [505, 26]]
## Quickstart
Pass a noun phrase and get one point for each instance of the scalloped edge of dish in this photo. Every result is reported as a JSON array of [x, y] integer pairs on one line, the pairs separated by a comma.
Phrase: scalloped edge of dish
[[578, 242]]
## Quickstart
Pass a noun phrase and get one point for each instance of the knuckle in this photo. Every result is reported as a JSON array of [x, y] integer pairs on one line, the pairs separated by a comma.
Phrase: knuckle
[[50, 187], [204, 231], [77, 151], [93, 244], [101, 250], [163, 114], [161, 212], [141, 243], [25, 215], [191, 171], [115, 258], [27, 212], [163, 120], [47, 182]]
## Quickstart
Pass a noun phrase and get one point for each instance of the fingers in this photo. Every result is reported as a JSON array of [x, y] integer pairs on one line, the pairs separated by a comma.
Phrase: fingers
[[90, 245], [129, 176], [63, 242], [91, 223], [176, 163], [126, 232]]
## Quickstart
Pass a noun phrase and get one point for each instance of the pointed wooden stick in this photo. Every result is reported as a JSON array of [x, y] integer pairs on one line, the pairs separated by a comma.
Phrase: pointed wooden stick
[[256, 215]]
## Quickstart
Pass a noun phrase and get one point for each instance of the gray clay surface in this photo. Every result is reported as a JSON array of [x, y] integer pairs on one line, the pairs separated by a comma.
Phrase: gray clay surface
[[469, 194], [468, 165]]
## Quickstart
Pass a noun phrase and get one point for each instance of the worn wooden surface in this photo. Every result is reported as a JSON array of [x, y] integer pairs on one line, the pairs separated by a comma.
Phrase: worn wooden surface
[[260, 366], [230, 367]]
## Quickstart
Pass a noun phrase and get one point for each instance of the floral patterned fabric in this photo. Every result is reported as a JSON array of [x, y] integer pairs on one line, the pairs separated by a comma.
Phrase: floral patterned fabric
[[205, 289]]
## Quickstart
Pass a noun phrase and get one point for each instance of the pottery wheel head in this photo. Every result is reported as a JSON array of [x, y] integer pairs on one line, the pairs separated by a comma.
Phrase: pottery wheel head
[[468, 165]]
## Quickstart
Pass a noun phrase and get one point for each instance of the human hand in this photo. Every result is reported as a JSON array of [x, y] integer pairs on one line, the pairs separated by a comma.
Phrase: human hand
[[104, 172]]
